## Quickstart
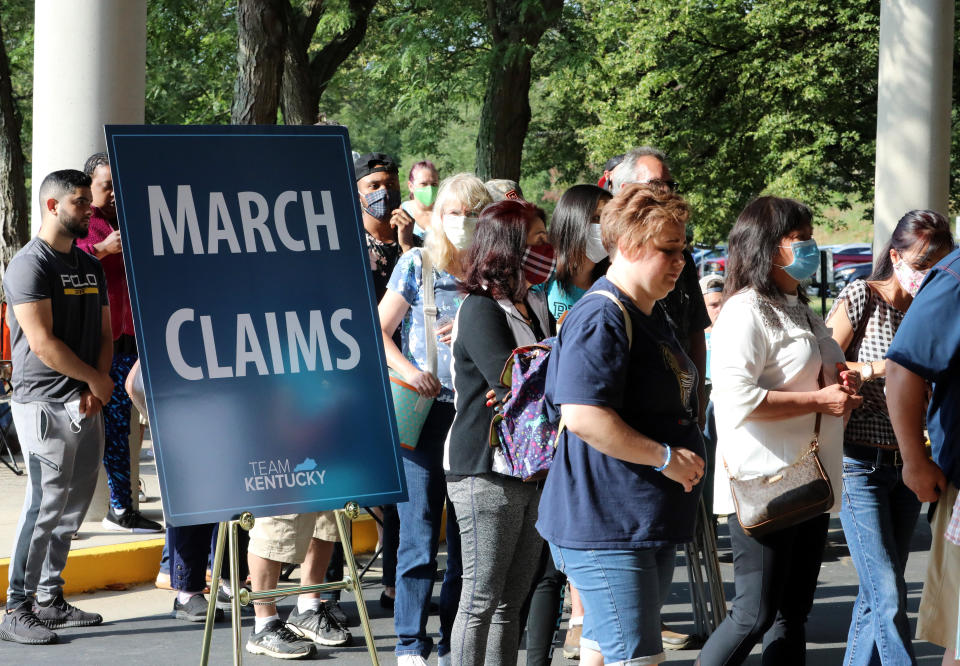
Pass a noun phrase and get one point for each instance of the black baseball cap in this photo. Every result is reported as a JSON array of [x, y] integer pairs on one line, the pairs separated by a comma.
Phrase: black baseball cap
[[372, 163]]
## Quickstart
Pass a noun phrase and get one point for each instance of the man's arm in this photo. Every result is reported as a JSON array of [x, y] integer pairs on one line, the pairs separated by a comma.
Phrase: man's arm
[[906, 393], [36, 321]]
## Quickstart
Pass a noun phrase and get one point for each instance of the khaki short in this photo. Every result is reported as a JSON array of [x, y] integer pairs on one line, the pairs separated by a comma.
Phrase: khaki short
[[287, 538], [937, 620]]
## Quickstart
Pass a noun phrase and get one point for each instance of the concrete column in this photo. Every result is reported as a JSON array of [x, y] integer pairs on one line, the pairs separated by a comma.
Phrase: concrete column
[[89, 70], [913, 111]]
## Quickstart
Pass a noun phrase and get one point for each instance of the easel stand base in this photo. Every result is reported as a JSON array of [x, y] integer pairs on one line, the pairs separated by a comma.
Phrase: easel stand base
[[241, 596]]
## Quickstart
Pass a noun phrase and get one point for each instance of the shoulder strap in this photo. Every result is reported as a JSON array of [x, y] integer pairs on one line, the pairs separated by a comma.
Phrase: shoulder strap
[[429, 313], [627, 322], [858, 334]]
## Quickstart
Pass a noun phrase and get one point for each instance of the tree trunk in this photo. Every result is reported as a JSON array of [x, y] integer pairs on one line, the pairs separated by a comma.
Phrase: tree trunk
[[305, 78], [515, 27], [13, 193], [260, 53]]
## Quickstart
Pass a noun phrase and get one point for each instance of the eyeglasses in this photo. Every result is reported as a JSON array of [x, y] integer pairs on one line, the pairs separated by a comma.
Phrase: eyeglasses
[[671, 185]]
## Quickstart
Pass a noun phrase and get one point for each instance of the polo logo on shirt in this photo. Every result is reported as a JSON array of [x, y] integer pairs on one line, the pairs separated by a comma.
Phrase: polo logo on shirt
[[79, 285]]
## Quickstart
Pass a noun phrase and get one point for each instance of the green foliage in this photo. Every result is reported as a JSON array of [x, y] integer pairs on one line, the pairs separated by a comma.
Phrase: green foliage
[[17, 18], [773, 96], [191, 61]]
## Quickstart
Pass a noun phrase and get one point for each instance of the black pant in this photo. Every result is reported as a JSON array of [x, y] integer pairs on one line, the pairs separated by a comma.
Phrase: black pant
[[542, 610], [775, 578]]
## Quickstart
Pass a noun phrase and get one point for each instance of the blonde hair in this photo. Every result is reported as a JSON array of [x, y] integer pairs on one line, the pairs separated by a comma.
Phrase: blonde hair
[[638, 213], [466, 189]]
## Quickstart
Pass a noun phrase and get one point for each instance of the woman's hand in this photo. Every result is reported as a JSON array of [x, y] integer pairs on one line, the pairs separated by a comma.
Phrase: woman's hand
[[837, 400], [445, 333], [686, 468], [849, 378], [426, 384]]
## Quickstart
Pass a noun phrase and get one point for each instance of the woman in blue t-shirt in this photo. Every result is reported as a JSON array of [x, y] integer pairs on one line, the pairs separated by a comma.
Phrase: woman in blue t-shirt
[[623, 489], [459, 202], [575, 236]]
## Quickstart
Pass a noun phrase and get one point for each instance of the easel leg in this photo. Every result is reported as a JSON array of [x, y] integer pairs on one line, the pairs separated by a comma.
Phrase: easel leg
[[212, 601], [355, 583], [235, 592]]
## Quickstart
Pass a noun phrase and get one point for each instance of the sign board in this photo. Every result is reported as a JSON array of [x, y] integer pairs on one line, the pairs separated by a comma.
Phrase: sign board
[[255, 318]]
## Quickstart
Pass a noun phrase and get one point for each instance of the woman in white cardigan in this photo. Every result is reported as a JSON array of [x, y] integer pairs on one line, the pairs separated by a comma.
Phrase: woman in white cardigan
[[769, 350]]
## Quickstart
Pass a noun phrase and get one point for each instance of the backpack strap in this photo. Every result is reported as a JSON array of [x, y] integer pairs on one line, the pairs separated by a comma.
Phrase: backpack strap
[[429, 313], [627, 324]]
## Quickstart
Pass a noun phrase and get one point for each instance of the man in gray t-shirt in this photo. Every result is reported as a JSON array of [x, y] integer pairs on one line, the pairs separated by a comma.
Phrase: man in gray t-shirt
[[62, 348]]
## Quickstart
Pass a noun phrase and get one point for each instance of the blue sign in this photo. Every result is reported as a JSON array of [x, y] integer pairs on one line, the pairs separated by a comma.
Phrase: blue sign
[[256, 321]]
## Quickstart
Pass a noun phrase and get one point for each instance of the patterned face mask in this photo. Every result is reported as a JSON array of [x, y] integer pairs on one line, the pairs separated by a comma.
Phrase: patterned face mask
[[909, 277], [381, 203], [538, 263]]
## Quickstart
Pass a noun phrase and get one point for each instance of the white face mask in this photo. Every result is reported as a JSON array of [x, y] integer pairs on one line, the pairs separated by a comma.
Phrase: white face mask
[[595, 251], [459, 229]]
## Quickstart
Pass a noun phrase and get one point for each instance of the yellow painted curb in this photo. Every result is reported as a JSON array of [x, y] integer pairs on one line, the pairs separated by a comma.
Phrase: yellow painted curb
[[95, 568]]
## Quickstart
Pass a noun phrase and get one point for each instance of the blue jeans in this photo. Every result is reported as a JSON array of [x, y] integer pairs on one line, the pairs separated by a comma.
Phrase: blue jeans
[[420, 522], [878, 514], [622, 591]]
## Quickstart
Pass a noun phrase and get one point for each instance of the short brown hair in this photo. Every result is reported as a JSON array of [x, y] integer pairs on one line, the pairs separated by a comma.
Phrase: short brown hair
[[639, 212]]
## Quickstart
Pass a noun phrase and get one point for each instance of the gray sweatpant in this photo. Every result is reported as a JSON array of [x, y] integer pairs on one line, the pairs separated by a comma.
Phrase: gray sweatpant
[[62, 467], [500, 549]]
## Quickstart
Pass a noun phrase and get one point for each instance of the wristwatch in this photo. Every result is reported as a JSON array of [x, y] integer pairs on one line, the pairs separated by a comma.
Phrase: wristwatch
[[866, 371]]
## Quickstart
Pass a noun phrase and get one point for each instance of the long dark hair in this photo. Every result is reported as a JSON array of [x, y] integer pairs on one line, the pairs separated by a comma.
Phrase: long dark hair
[[754, 240], [494, 258], [568, 228], [918, 226]]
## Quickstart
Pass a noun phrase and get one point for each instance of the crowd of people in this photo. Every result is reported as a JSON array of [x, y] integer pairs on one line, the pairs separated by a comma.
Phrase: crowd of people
[[671, 390]]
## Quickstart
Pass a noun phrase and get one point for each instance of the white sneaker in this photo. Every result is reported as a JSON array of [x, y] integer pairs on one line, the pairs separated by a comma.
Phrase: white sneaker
[[411, 660], [444, 660]]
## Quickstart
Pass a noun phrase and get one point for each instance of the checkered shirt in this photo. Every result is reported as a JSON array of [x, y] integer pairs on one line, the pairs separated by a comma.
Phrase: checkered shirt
[[870, 423]]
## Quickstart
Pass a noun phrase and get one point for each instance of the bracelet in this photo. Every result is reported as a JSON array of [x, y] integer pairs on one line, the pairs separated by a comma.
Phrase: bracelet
[[665, 462]]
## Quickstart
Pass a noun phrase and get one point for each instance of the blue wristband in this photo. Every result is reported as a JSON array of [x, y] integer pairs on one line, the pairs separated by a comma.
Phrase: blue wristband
[[665, 462]]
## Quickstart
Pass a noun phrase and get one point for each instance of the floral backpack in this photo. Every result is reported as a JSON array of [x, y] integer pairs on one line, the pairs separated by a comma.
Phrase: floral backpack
[[522, 434]]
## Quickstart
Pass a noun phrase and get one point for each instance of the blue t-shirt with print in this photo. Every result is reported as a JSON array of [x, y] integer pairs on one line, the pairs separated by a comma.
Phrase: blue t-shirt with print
[[592, 500], [928, 344], [407, 281], [559, 300]]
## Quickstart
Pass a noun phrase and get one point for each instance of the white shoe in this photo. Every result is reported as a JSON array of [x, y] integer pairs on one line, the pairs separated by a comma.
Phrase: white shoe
[[444, 660], [411, 660]]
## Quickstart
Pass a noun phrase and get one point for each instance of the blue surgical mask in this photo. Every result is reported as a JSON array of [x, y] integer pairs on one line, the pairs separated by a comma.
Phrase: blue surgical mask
[[806, 260]]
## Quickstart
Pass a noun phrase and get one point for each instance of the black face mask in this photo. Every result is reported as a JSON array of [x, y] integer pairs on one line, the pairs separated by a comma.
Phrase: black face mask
[[382, 202]]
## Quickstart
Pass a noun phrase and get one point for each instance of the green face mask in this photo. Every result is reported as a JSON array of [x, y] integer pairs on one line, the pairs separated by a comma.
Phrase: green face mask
[[426, 195]]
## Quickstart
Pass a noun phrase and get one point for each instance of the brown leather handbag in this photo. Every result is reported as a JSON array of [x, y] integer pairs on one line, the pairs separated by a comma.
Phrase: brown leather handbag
[[793, 494]]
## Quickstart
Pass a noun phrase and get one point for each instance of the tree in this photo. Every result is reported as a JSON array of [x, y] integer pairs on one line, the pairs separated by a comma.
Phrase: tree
[[746, 98], [515, 28], [279, 65], [14, 216]]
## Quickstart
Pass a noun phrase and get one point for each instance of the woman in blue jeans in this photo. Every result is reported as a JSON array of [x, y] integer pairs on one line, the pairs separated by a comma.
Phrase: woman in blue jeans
[[458, 203], [879, 512], [623, 489]]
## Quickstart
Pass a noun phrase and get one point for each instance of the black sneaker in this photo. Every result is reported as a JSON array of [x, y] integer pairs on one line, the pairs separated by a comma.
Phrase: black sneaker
[[337, 613], [277, 641], [224, 603], [58, 613], [195, 610], [21, 625], [319, 626], [131, 521]]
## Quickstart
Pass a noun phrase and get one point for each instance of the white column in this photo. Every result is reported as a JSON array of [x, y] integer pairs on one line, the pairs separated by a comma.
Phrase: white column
[[89, 70], [913, 111]]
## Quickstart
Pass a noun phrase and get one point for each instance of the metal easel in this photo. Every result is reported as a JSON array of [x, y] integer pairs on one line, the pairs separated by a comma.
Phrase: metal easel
[[241, 596], [706, 580]]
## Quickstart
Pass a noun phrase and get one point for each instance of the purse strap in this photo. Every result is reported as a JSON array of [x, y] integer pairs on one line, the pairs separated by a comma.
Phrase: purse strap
[[429, 313], [858, 334]]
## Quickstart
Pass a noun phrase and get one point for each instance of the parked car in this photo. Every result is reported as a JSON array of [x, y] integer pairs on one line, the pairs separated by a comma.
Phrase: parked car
[[851, 253], [710, 259], [848, 273]]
